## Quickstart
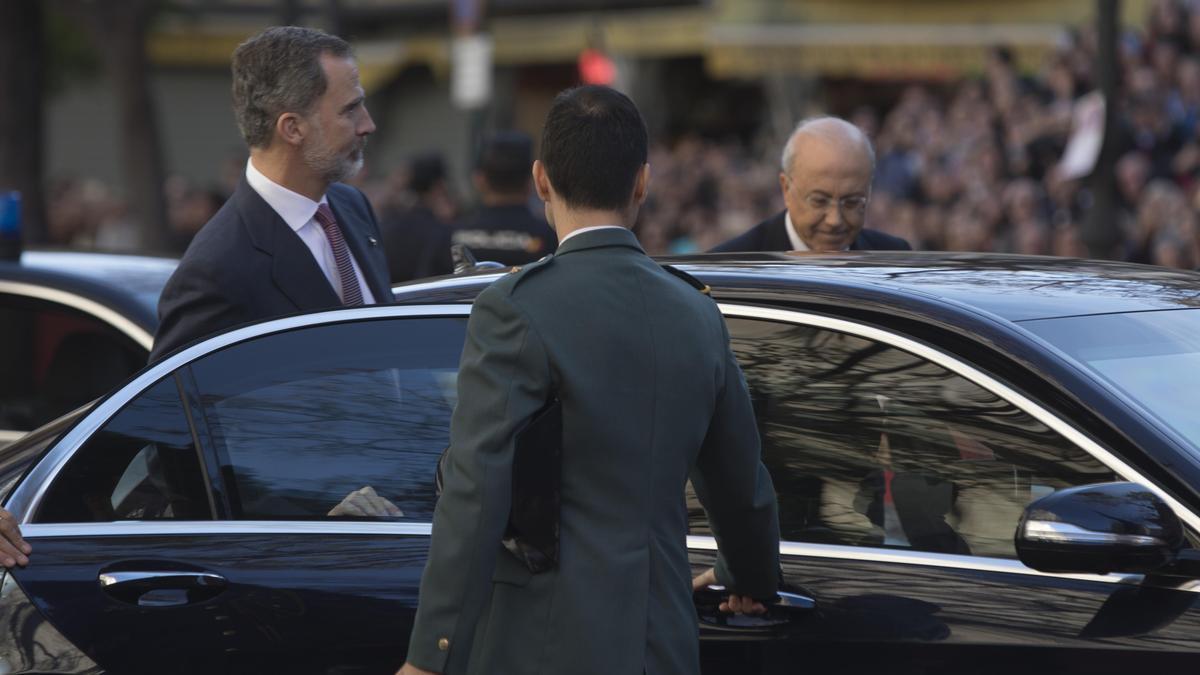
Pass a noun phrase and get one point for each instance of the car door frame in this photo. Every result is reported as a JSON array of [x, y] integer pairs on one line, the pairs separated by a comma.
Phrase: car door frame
[[73, 301], [704, 548]]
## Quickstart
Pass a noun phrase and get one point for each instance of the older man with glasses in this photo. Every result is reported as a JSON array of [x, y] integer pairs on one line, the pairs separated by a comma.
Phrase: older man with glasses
[[826, 181]]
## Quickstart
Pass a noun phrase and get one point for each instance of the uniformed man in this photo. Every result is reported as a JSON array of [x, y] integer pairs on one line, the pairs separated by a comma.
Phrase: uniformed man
[[503, 228], [639, 362]]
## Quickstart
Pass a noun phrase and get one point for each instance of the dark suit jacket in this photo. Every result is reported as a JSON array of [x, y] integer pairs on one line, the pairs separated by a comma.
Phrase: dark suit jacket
[[247, 265], [771, 235], [417, 244], [650, 391], [510, 235]]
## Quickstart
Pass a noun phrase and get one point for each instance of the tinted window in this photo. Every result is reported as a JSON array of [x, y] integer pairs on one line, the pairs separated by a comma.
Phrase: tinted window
[[54, 359], [869, 445], [303, 419], [142, 465], [1154, 357]]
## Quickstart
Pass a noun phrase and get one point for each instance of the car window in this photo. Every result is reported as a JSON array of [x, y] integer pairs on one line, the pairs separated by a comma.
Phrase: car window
[[141, 465], [344, 420], [869, 445], [54, 359]]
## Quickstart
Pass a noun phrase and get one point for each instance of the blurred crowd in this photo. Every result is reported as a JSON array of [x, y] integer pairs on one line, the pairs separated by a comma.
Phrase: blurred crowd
[[978, 165]]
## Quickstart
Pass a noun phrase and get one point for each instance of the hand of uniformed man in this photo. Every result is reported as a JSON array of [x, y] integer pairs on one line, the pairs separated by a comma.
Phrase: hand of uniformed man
[[735, 604], [13, 548], [365, 502], [410, 669]]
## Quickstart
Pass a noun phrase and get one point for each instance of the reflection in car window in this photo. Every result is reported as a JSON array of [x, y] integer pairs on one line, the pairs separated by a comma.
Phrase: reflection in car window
[[142, 465], [869, 445], [344, 420]]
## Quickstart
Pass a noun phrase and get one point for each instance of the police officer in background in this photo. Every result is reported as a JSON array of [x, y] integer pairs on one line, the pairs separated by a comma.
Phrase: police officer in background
[[503, 229]]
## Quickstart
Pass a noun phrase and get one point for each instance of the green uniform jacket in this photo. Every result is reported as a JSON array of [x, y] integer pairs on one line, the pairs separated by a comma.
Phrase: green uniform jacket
[[650, 393]]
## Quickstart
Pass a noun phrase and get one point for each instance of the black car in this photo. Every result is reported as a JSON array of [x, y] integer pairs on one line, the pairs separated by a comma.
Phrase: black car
[[75, 326], [930, 421]]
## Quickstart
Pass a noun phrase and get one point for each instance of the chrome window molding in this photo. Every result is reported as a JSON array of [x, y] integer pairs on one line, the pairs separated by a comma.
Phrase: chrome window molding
[[9, 435], [75, 301], [976, 376], [146, 528], [453, 282], [25, 499], [946, 560]]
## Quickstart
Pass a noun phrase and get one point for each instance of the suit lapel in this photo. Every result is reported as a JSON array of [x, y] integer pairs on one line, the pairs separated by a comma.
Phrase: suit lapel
[[776, 237], [293, 268]]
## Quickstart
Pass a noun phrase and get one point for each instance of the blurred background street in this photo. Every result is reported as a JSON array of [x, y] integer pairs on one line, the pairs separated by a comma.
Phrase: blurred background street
[[988, 118]]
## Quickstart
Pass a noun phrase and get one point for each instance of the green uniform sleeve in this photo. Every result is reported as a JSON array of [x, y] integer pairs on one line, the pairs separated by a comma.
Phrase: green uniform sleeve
[[736, 491], [503, 379]]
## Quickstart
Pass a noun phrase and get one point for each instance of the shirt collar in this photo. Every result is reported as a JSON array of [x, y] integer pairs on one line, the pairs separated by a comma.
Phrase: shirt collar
[[589, 229], [797, 243], [294, 208]]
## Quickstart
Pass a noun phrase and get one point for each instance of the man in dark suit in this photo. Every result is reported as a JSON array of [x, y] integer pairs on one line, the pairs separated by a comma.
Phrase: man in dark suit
[[503, 228], [291, 238], [639, 362], [826, 181], [417, 238]]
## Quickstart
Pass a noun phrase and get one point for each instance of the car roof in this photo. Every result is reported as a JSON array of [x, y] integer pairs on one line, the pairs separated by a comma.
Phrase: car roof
[[128, 284], [1011, 287]]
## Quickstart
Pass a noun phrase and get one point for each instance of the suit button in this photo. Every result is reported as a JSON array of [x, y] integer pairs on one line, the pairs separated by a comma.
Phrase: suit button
[[443, 644]]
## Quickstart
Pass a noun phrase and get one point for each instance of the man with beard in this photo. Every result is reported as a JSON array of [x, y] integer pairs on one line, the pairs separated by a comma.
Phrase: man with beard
[[291, 238]]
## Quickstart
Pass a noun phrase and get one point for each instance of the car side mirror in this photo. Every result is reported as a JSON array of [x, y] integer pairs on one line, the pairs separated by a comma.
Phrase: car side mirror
[[1098, 529]]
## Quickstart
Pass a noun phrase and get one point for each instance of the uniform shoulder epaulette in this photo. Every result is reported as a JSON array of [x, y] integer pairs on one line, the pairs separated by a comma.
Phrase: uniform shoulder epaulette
[[523, 272], [689, 279]]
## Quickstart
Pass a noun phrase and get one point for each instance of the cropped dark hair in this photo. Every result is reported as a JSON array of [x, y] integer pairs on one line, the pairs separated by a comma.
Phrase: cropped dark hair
[[504, 161], [593, 145], [276, 72]]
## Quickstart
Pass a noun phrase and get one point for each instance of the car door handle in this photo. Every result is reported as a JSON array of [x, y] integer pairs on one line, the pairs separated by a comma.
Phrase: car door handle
[[162, 588], [787, 610]]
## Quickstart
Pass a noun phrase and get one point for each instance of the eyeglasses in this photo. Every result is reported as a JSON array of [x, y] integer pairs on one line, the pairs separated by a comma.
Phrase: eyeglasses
[[853, 204]]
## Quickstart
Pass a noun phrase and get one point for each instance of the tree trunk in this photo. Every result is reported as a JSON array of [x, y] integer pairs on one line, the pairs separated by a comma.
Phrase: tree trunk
[[22, 73], [119, 32]]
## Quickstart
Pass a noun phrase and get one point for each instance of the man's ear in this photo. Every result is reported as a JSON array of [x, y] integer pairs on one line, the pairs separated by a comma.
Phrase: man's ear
[[641, 186], [541, 181], [291, 128]]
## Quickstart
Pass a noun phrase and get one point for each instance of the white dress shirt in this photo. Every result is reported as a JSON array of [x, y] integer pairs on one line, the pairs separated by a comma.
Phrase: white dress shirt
[[299, 212], [589, 229], [797, 243]]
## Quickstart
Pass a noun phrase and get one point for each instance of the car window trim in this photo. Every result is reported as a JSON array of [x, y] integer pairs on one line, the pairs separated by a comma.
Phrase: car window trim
[[333, 527], [27, 497], [971, 374], [927, 559], [143, 338]]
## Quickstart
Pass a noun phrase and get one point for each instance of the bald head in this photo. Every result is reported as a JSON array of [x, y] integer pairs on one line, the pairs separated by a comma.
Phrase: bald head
[[829, 131], [825, 178]]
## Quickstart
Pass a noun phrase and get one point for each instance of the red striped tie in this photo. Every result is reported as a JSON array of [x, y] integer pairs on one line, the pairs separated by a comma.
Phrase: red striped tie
[[351, 292]]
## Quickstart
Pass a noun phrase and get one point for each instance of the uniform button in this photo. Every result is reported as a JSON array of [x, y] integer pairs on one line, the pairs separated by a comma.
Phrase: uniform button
[[443, 644]]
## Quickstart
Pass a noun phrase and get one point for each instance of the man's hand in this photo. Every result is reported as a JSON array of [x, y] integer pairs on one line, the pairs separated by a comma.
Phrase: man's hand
[[734, 604], [410, 669], [365, 502], [13, 549]]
